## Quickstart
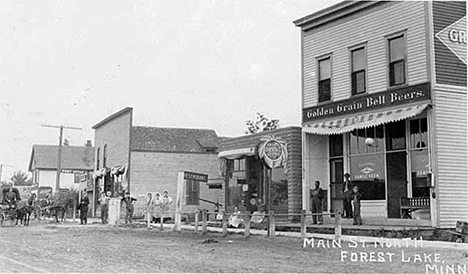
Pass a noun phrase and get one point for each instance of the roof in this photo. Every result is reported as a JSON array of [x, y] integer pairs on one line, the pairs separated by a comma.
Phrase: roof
[[113, 116], [73, 157], [173, 139], [333, 12]]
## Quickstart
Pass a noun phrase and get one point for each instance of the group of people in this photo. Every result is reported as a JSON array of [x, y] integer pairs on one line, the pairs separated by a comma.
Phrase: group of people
[[157, 206], [104, 201], [256, 207], [351, 202]]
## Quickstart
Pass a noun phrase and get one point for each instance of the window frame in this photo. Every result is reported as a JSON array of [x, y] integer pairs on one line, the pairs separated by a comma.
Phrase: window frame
[[318, 60], [98, 157], [104, 156], [388, 38], [351, 68], [192, 192]]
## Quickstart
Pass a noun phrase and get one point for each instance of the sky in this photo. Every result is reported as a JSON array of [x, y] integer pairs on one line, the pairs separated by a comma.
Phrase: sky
[[192, 64]]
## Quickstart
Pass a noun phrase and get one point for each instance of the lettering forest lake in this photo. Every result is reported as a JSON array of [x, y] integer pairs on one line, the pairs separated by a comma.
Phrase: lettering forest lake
[[387, 251]]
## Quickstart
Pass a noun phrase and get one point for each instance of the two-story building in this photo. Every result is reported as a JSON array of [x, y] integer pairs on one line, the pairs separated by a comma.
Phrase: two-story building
[[142, 159], [384, 99], [76, 163]]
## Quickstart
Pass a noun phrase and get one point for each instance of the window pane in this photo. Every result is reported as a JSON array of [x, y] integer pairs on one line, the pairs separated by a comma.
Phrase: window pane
[[359, 59], [424, 136], [336, 145], [358, 84], [353, 142], [324, 91], [395, 135], [397, 73], [419, 171], [367, 172], [415, 137], [397, 48], [324, 69]]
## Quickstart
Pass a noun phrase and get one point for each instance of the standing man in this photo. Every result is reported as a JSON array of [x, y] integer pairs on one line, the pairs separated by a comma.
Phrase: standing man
[[149, 208], [104, 202], [316, 204], [83, 207], [129, 201], [357, 196], [347, 193], [165, 204]]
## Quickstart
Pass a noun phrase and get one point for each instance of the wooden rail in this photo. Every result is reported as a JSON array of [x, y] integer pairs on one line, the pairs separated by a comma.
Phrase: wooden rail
[[270, 217]]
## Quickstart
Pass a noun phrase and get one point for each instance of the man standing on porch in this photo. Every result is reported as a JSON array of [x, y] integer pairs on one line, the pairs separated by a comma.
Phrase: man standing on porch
[[316, 203], [348, 210]]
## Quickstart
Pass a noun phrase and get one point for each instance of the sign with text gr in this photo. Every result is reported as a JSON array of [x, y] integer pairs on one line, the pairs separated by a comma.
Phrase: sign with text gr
[[375, 101], [195, 176]]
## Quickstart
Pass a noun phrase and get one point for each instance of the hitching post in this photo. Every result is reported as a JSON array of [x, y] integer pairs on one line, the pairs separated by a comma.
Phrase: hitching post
[[303, 225], [271, 223], [204, 221], [247, 224], [224, 215], [337, 225], [196, 220]]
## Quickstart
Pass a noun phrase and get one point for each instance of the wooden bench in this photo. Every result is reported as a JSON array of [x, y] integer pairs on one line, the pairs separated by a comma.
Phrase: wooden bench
[[408, 205]]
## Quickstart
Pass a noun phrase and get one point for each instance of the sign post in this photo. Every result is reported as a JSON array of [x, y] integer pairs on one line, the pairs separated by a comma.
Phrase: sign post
[[181, 177]]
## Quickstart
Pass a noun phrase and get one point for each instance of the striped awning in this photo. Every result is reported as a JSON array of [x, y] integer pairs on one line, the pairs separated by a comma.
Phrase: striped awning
[[237, 153], [348, 124]]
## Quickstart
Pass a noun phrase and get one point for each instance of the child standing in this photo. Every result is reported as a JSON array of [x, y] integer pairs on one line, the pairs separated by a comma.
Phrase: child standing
[[357, 196]]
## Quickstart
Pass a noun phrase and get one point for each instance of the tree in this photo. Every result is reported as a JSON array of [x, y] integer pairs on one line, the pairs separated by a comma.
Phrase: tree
[[261, 123], [20, 178]]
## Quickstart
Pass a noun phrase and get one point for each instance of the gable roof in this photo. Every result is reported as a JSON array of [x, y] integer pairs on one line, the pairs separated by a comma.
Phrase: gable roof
[[73, 157], [173, 139]]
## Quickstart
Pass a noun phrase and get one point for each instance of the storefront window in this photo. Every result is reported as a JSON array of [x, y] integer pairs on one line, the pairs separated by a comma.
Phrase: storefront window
[[418, 133], [419, 157], [367, 172], [236, 175], [336, 145], [279, 187], [358, 140], [396, 135]]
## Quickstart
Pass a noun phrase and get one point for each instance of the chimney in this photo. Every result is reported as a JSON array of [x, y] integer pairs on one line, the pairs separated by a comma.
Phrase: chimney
[[88, 143]]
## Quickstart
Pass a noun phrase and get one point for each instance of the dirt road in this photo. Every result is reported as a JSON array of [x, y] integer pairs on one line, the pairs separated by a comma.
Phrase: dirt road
[[97, 248]]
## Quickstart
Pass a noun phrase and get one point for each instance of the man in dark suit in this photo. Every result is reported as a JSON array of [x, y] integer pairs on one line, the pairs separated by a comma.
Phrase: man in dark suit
[[129, 207], [83, 207]]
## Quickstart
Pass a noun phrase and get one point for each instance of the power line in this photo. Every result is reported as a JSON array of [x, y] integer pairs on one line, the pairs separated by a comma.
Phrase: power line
[[59, 161]]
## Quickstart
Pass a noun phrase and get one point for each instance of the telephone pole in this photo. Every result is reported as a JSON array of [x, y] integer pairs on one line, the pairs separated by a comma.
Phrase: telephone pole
[[59, 163]]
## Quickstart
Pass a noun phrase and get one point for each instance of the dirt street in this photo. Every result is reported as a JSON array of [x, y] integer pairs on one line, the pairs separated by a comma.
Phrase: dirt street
[[98, 248]]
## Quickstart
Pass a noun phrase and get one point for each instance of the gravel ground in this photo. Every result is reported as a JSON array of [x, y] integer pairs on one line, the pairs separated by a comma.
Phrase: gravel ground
[[96, 248]]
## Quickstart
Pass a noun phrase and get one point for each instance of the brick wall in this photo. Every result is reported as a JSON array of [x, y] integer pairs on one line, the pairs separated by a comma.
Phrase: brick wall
[[157, 171]]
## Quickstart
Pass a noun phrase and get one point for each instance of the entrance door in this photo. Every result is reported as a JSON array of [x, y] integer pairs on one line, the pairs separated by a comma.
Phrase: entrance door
[[396, 182], [336, 184]]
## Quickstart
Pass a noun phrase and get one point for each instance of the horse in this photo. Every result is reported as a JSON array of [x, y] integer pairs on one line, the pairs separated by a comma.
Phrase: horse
[[24, 212]]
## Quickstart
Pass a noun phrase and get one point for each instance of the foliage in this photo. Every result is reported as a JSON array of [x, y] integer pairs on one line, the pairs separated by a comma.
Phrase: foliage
[[261, 123], [20, 178]]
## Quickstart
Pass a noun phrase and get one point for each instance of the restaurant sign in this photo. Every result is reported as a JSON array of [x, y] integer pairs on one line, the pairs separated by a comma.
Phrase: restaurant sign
[[195, 176], [373, 101]]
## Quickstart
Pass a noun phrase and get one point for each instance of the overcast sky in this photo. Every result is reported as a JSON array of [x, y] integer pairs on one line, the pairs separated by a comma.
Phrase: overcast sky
[[197, 64]]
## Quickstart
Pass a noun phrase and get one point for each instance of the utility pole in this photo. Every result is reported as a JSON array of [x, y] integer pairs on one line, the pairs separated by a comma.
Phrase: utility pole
[[59, 163]]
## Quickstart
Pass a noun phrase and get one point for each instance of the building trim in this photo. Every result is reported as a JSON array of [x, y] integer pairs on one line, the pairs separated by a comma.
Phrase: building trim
[[112, 117]]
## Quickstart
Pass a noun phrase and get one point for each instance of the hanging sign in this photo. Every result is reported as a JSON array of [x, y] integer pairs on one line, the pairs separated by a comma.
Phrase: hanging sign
[[274, 152], [195, 176]]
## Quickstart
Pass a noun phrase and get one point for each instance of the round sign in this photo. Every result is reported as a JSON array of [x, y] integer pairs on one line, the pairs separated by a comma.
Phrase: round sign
[[273, 150]]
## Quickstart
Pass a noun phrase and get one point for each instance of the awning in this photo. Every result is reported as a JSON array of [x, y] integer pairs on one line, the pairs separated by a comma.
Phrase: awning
[[237, 153], [348, 124]]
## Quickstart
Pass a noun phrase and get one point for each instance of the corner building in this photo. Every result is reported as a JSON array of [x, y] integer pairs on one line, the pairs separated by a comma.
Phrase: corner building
[[384, 98]]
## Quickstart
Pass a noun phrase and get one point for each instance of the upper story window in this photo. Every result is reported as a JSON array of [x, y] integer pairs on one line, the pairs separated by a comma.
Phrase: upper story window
[[358, 70], [397, 60], [98, 157], [104, 157], [324, 84]]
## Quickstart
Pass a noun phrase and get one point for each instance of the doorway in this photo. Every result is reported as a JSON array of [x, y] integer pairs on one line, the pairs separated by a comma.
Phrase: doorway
[[396, 182]]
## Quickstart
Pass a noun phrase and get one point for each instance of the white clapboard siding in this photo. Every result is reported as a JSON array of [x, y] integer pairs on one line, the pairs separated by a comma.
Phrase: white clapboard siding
[[370, 27], [451, 159], [377, 208]]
